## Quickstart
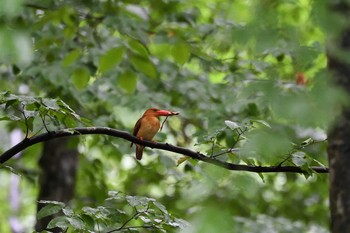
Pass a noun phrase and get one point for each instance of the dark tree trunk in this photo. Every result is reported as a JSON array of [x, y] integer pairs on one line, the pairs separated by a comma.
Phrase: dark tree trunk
[[58, 165], [339, 137]]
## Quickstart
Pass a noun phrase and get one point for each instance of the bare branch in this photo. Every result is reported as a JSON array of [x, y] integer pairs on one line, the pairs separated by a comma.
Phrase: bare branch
[[27, 142]]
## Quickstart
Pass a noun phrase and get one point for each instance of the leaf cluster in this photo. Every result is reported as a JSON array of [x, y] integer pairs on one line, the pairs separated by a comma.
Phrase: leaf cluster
[[28, 109], [120, 213]]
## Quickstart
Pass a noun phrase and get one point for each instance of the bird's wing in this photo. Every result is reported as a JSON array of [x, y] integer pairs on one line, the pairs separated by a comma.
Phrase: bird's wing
[[137, 127]]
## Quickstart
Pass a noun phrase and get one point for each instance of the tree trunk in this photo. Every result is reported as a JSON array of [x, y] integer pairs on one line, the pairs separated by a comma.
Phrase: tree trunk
[[339, 138], [58, 165]]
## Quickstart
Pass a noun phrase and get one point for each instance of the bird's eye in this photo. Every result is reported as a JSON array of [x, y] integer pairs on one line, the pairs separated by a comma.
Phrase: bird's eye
[[155, 110]]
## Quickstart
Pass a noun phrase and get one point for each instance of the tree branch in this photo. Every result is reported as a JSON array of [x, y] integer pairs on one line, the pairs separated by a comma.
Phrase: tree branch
[[27, 142]]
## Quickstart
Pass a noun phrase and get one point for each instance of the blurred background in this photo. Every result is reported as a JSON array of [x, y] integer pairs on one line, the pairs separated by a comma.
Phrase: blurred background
[[244, 75]]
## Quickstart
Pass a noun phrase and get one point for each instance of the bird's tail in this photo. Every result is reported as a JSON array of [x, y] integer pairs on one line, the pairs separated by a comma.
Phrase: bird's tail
[[139, 151]]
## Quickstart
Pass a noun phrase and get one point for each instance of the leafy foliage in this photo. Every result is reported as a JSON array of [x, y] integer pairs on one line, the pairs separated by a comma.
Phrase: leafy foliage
[[27, 109], [146, 214], [250, 81]]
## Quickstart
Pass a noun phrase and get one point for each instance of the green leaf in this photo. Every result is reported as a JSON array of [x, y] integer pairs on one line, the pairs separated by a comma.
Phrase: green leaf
[[262, 123], [133, 201], [30, 124], [181, 53], [51, 104], [145, 219], [60, 222], [265, 144], [144, 65], [110, 59], [299, 158], [138, 47], [70, 121], [307, 142], [318, 162], [88, 220], [76, 223], [50, 209], [137, 201], [128, 81], [10, 169], [71, 57], [68, 212], [201, 54], [10, 103], [10, 118], [80, 77], [160, 50], [232, 125], [161, 207], [90, 210], [261, 175]]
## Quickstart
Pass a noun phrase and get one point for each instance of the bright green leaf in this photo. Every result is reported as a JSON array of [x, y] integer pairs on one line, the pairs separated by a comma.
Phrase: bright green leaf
[[128, 81], [181, 53], [162, 50], [138, 47], [262, 123], [29, 123], [71, 57], [80, 77], [111, 59], [70, 122], [144, 65]]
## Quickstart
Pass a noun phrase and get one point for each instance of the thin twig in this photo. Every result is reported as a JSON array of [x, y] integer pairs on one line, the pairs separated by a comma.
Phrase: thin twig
[[43, 120], [231, 150], [240, 132], [163, 123], [284, 160], [212, 147], [299, 148], [137, 213]]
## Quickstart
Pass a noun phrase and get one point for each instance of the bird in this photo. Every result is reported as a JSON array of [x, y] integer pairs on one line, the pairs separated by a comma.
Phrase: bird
[[147, 127]]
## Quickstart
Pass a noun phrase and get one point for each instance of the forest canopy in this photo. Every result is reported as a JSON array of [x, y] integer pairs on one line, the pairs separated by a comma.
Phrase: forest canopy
[[249, 79]]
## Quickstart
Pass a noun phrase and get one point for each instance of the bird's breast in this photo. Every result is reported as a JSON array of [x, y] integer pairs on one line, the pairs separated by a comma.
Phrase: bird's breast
[[149, 127]]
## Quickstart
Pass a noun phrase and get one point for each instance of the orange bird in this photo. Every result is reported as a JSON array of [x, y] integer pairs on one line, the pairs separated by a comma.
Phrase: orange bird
[[147, 126]]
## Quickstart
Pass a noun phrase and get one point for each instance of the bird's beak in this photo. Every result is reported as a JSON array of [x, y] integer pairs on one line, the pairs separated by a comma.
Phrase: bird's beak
[[166, 113]]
